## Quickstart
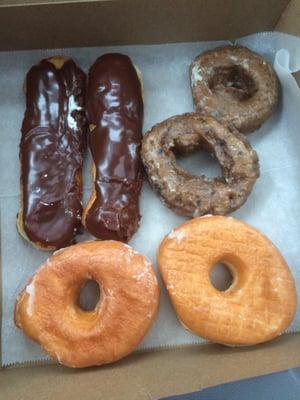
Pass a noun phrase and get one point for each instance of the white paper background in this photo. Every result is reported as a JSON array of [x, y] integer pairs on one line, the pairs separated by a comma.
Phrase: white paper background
[[273, 206]]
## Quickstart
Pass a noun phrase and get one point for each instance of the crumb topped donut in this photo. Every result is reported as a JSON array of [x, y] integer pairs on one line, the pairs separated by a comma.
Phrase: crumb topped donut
[[47, 309], [235, 85], [192, 195], [261, 301]]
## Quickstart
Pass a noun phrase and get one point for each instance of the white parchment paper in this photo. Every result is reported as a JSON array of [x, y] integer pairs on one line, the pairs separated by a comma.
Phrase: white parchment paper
[[273, 206]]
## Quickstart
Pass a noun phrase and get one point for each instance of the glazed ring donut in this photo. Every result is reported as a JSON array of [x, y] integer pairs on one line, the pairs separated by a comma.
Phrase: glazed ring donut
[[47, 309], [191, 195], [261, 301], [234, 85]]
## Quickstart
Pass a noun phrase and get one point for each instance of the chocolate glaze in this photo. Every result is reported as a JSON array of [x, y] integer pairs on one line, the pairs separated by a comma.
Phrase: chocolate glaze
[[115, 107], [51, 153]]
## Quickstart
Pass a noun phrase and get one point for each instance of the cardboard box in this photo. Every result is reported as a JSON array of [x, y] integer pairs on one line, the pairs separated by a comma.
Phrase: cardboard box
[[147, 375]]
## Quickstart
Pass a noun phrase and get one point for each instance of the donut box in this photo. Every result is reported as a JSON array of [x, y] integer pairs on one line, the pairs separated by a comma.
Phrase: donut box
[[171, 369]]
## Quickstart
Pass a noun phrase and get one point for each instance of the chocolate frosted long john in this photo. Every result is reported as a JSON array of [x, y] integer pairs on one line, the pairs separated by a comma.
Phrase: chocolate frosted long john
[[51, 153], [115, 112]]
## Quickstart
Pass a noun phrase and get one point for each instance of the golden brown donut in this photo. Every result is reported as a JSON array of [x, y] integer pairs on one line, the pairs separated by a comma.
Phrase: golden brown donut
[[47, 309], [234, 85], [261, 301]]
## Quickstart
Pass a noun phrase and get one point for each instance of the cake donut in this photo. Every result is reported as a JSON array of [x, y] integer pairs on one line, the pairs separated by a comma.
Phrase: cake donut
[[261, 301], [234, 85], [192, 195], [47, 309], [115, 112], [51, 153]]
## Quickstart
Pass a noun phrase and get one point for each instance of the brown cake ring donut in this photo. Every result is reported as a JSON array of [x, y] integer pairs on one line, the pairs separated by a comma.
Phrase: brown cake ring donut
[[51, 153], [115, 112], [47, 309], [192, 195], [234, 85], [261, 301]]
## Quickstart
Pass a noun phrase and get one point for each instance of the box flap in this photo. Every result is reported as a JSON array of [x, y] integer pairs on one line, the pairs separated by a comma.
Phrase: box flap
[[154, 374], [96, 23]]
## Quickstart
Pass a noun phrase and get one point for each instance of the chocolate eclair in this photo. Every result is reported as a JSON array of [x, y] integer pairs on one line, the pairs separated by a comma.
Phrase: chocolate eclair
[[115, 113], [51, 153]]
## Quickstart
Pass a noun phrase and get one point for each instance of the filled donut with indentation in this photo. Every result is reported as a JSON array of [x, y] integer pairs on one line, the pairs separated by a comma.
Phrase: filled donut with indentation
[[261, 301], [192, 195], [234, 85], [47, 310]]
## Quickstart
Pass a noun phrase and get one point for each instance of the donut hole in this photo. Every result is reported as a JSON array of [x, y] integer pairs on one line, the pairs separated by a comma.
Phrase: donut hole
[[234, 80], [89, 295], [198, 162], [221, 277]]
